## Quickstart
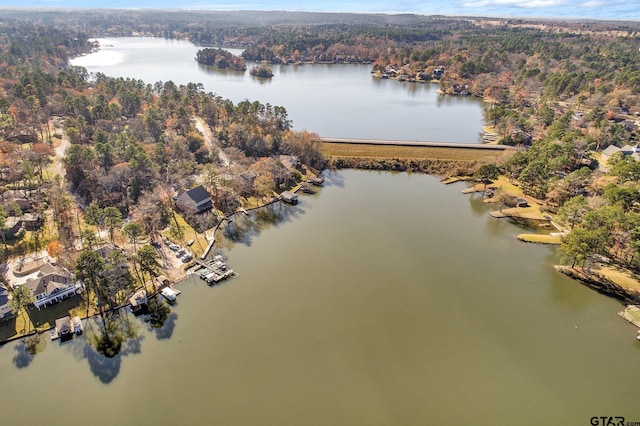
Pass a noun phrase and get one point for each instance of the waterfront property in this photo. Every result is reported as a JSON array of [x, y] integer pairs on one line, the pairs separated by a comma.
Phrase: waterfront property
[[194, 201], [289, 197], [62, 329], [51, 284], [214, 271], [5, 308], [382, 297], [66, 327], [139, 302], [170, 294], [317, 181]]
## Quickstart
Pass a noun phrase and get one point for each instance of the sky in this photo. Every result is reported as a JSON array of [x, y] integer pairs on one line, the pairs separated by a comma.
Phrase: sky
[[594, 9]]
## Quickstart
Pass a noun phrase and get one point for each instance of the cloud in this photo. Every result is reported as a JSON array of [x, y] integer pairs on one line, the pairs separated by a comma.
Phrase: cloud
[[525, 4]]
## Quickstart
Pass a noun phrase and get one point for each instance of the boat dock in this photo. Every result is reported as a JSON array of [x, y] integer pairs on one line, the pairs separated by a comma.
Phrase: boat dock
[[65, 328], [632, 314], [214, 271]]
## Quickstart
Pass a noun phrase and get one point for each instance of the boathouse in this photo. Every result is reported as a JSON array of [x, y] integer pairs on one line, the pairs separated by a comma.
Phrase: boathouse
[[63, 328], [139, 302], [289, 197]]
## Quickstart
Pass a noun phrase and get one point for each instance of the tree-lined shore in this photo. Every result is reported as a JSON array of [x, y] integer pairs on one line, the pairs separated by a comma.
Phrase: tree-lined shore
[[102, 159]]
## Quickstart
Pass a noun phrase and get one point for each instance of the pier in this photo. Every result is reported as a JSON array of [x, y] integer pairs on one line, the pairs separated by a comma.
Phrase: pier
[[215, 270], [425, 144]]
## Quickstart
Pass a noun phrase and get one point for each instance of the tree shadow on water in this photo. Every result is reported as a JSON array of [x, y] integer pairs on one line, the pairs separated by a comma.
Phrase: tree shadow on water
[[334, 178], [22, 357], [242, 229], [105, 346], [27, 349], [166, 331], [161, 320]]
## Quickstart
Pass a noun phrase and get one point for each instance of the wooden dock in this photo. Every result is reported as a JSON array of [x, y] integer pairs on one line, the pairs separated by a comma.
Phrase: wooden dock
[[632, 314], [217, 270]]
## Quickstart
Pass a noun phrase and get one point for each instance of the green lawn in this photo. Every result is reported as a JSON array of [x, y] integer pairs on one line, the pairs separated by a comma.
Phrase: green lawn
[[43, 319]]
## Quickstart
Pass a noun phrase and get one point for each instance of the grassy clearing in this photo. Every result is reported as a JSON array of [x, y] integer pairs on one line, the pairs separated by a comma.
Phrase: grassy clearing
[[417, 152], [622, 277], [540, 238], [34, 319], [188, 233], [532, 212], [8, 329]]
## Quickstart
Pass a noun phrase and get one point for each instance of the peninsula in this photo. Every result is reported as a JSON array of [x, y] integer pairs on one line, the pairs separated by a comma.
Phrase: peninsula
[[95, 164]]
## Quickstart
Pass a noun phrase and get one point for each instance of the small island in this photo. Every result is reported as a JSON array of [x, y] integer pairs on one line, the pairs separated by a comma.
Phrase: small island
[[220, 58], [261, 71]]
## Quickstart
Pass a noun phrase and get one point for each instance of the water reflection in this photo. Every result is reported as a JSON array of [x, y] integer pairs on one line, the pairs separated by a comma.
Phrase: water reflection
[[166, 331], [104, 368], [334, 179], [244, 228], [27, 349], [261, 80], [105, 345], [208, 69], [22, 358], [477, 204]]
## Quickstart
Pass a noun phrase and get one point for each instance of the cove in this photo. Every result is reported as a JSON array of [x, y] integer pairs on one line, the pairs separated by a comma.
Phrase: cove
[[385, 298]]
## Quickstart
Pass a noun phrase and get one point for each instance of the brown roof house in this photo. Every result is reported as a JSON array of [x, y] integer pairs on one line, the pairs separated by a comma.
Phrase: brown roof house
[[52, 284], [194, 201]]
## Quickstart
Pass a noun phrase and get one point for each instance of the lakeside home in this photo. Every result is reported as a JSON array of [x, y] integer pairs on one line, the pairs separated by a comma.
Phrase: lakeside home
[[51, 284], [5, 308], [194, 201]]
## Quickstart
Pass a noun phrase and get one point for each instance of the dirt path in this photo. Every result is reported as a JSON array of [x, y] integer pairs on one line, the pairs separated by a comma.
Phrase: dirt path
[[209, 140], [61, 151]]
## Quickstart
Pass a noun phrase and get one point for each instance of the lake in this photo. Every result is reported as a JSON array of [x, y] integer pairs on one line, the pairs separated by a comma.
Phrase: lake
[[336, 100], [383, 299]]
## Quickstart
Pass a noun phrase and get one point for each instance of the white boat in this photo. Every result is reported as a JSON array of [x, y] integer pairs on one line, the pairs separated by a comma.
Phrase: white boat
[[169, 294], [76, 322]]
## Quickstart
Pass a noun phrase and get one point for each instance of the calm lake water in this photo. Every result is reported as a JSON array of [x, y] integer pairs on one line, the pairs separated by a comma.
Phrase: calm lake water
[[384, 299], [331, 100]]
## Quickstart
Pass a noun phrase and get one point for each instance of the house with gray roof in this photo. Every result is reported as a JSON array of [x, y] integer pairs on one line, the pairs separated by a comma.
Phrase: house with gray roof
[[632, 150], [52, 284], [194, 201], [5, 309]]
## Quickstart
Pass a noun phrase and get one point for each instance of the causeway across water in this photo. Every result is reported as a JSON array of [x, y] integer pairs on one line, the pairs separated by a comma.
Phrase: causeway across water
[[417, 143]]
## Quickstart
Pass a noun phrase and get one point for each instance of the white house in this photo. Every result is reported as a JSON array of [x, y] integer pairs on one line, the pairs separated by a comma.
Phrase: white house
[[52, 284], [5, 309]]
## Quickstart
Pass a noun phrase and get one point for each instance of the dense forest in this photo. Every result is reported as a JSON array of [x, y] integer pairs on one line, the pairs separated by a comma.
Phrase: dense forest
[[220, 58], [564, 92]]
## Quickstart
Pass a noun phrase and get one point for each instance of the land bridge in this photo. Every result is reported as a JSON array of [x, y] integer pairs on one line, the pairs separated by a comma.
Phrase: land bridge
[[417, 143]]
